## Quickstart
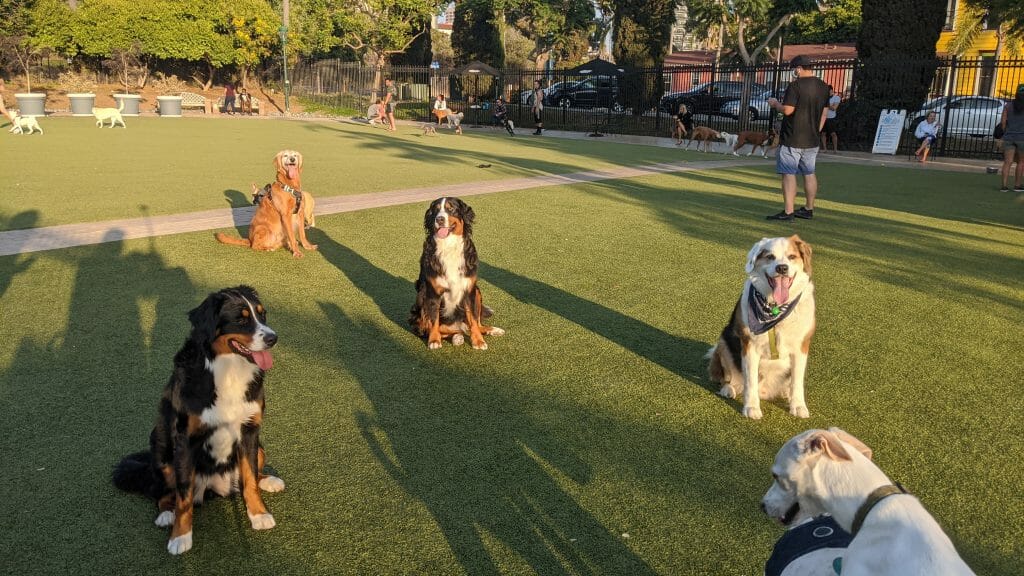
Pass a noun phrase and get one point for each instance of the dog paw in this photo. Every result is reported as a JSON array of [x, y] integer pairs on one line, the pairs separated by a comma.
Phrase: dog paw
[[311, 247], [181, 544], [458, 339], [752, 412], [262, 521], [433, 345], [297, 254], [495, 331], [481, 345], [727, 392], [271, 484], [799, 411], [166, 518]]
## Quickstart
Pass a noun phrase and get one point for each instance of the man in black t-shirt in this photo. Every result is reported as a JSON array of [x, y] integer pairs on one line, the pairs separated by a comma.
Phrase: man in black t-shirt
[[804, 107]]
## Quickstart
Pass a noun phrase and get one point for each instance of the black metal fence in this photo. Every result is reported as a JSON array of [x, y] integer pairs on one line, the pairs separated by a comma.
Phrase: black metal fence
[[967, 95]]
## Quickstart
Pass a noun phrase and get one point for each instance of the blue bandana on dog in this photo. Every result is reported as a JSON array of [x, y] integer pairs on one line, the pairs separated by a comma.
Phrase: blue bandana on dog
[[764, 316], [822, 532]]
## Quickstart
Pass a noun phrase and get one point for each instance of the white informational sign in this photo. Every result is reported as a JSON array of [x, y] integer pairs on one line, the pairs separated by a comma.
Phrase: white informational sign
[[887, 134]]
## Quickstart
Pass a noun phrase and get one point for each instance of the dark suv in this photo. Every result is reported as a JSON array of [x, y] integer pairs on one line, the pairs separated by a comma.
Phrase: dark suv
[[708, 98], [596, 91]]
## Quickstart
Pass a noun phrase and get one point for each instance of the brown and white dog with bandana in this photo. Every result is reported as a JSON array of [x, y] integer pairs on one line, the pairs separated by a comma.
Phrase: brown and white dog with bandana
[[762, 352]]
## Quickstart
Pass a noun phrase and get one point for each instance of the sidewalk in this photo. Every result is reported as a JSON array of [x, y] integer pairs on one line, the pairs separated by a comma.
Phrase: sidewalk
[[69, 235]]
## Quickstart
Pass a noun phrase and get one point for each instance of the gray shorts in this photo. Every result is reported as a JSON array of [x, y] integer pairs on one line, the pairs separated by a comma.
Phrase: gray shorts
[[391, 107], [795, 160], [1013, 141]]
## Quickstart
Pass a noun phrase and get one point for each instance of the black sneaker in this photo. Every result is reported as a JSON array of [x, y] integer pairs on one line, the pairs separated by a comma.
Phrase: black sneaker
[[537, 132], [804, 213], [1004, 189], [1018, 189], [785, 216]]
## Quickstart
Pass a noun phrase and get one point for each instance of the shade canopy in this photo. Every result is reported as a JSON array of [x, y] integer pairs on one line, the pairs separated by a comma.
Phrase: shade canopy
[[598, 67], [476, 68]]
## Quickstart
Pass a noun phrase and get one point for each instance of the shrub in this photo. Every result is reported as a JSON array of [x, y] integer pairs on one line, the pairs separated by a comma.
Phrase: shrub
[[72, 82], [169, 85]]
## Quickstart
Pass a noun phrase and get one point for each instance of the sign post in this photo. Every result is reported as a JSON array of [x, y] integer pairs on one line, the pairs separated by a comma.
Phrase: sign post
[[888, 131]]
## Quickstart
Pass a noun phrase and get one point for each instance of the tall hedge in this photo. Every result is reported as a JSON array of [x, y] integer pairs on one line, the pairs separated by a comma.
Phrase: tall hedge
[[476, 33], [642, 30], [896, 48]]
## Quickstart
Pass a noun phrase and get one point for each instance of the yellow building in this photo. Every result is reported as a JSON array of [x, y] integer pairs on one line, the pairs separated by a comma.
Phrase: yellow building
[[977, 72]]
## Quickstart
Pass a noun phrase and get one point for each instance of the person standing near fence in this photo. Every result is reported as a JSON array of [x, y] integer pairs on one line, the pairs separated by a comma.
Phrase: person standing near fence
[[538, 108], [831, 131], [1013, 141], [804, 107], [390, 97]]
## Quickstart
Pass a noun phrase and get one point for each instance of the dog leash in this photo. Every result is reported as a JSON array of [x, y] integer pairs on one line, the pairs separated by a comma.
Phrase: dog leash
[[876, 496]]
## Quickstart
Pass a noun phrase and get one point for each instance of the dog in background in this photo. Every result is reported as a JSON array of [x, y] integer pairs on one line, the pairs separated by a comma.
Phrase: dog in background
[[448, 301], [207, 432], [830, 471], [280, 215], [429, 130], [19, 124], [112, 114], [756, 140], [762, 351], [704, 137]]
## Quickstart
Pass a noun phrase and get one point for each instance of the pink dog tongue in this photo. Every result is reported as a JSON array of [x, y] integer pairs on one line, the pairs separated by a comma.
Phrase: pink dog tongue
[[292, 172], [442, 233], [781, 291], [263, 359]]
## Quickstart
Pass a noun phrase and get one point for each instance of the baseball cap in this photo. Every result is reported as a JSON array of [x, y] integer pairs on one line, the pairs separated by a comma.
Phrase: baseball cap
[[800, 61]]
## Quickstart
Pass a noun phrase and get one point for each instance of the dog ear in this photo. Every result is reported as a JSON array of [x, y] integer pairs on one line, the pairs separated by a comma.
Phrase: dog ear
[[755, 251], [205, 317], [852, 441], [299, 166], [827, 443], [805, 252], [468, 216], [428, 218]]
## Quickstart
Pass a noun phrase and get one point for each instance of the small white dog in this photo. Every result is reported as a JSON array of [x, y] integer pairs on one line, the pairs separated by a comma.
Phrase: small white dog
[[730, 141], [762, 352], [19, 124], [112, 114], [830, 471]]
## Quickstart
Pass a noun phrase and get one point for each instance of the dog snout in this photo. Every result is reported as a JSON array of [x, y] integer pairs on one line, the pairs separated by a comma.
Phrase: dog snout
[[441, 220], [270, 338], [782, 268]]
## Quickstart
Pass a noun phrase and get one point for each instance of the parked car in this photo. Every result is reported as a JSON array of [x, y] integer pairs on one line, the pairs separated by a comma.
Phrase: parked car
[[967, 115], [757, 109], [596, 91], [707, 98]]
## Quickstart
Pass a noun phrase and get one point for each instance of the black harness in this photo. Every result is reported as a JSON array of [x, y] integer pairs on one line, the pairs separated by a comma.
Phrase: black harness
[[822, 532], [266, 191]]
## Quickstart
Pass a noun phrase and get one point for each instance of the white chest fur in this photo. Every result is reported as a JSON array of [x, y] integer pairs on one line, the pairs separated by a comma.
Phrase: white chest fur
[[453, 279], [231, 376]]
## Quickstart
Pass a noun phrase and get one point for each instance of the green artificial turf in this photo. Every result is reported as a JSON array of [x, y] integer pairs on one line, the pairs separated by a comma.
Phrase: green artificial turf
[[587, 440], [77, 172]]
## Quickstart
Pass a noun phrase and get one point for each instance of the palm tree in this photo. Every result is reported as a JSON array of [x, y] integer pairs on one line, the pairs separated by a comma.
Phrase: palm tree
[[972, 20]]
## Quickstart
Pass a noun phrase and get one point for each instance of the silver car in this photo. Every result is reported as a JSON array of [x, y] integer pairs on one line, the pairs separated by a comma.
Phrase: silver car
[[758, 106], [962, 115]]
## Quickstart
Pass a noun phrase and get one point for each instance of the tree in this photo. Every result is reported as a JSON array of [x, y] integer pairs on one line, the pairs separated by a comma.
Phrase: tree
[[973, 18], [840, 23], [18, 42], [383, 28], [641, 31], [553, 27], [476, 33], [421, 51], [896, 49], [749, 26]]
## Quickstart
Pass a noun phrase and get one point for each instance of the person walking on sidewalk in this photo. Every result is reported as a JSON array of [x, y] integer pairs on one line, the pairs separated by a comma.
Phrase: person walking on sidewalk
[[1013, 140], [804, 108], [538, 108]]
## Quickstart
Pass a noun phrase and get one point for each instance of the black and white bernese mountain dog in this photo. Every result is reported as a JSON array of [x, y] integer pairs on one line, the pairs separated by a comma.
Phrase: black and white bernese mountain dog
[[448, 300], [207, 433]]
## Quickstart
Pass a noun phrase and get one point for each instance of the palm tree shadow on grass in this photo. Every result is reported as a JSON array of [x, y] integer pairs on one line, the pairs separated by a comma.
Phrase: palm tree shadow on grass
[[680, 356], [11, 266], [481, 465]]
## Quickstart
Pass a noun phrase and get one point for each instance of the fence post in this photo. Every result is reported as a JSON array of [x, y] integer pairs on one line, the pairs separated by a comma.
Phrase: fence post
[[949, 93]]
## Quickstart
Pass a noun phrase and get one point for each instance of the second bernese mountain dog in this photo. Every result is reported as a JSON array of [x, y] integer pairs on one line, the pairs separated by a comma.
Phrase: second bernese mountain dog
[[207, 432], [448, 300]]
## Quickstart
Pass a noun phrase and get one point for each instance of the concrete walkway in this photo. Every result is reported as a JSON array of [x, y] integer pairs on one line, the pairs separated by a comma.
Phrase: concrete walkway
[[69, 235]]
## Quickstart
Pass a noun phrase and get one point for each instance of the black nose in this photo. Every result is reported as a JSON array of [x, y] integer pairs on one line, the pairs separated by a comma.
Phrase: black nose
[[270, 339], [782, 268], [440, 219], [764, 508]]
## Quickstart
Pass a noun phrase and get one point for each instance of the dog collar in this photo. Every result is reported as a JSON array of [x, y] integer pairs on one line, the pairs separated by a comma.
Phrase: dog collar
[[876, 496]]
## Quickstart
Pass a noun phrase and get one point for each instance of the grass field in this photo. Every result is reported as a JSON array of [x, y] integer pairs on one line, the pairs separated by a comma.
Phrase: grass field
[[586, 441]]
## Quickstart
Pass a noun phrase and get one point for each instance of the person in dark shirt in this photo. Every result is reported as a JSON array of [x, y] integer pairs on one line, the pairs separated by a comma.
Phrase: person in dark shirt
[[804, 108], [684, 124], [501, 115]]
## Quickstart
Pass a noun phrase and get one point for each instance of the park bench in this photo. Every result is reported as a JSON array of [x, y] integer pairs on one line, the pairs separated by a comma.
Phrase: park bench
[[256, 108], [191, 100]]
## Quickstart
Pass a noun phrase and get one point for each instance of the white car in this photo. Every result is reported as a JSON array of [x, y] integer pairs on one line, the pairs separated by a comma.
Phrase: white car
[[962, 115]]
